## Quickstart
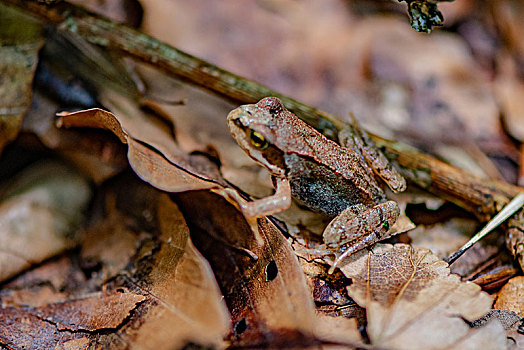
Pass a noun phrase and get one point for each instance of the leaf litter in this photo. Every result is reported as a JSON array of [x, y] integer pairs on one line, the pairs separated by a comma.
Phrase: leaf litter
[[409, 297]]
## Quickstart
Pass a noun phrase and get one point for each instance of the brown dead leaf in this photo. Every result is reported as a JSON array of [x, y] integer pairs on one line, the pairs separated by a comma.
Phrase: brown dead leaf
[[508, 17], [39, 212], [94, 152], [158, 285], [187, 304], [268, 297], [152, 149], [20, 41], [19, 329], [93, 118], [511, 296], [509, 91], [443, 238], [54, 325], [447, 97], [95, 312], [412, 301], [494, 277], [339, 330], [53, 273], [511, 323], [110, 244], [153, 168]]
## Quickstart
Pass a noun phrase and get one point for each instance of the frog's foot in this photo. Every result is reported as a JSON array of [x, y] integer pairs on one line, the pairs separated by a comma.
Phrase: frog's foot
[[319, 252], [357, 228], [311, 254], [339, 256]]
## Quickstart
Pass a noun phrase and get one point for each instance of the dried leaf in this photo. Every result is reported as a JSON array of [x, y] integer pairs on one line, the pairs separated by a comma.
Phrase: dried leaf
[[43, 285], [509, 92], [153, 168], [152, 150], [34, 332], [447, 98], [511, 296], [167, 290], [412, 301], [38, 214], [443, 238], [54, 325], [267, 296], [20, 40], [95, 152], [100, 311], [188, 306], [338, 330], [110, 244], [511, 323], [508, 15]]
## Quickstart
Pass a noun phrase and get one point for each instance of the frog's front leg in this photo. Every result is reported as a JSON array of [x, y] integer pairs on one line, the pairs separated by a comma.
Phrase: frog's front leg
[[353, 137], [279, 201], [358, 227]]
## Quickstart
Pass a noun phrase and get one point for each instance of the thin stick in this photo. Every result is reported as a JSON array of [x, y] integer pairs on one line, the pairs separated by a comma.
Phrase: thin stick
[[478, 196], [114, 36], [510, 209]]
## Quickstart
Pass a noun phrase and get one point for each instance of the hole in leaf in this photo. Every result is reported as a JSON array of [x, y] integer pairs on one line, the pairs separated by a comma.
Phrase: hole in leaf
[[271, 271], [240, 327]]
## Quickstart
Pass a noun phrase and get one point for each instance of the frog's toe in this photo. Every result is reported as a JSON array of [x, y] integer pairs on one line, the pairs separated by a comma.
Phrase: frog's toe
[[316, 252]]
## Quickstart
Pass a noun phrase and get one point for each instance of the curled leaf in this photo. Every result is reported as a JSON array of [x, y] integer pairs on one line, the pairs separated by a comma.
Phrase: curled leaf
[[153, 152]]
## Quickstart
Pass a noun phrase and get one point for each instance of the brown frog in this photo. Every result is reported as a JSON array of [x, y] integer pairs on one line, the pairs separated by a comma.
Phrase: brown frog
[[338, 181]]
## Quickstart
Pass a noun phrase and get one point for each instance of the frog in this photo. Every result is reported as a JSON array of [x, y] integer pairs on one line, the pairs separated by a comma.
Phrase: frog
[[339, 180]]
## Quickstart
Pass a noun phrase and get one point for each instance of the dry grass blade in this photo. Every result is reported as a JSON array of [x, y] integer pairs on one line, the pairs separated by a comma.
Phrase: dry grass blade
[[510, 209]]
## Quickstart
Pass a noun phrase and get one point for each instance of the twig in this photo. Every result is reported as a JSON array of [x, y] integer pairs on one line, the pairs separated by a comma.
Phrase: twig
[[114, 36], [482, 198]]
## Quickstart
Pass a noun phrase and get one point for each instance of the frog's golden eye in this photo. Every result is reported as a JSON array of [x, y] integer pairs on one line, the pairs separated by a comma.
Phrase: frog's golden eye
[[258, 140]]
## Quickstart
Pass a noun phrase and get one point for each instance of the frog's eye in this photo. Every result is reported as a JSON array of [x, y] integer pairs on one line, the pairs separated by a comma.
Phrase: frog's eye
[[258, 140]]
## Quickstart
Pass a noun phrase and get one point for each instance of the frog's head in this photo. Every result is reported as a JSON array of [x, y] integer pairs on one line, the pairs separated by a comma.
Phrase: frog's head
[[253, 127]]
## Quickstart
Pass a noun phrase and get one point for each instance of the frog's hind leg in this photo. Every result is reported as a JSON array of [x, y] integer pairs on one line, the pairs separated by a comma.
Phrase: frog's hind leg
[[358, 227], [355, 138], [339, 256]]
